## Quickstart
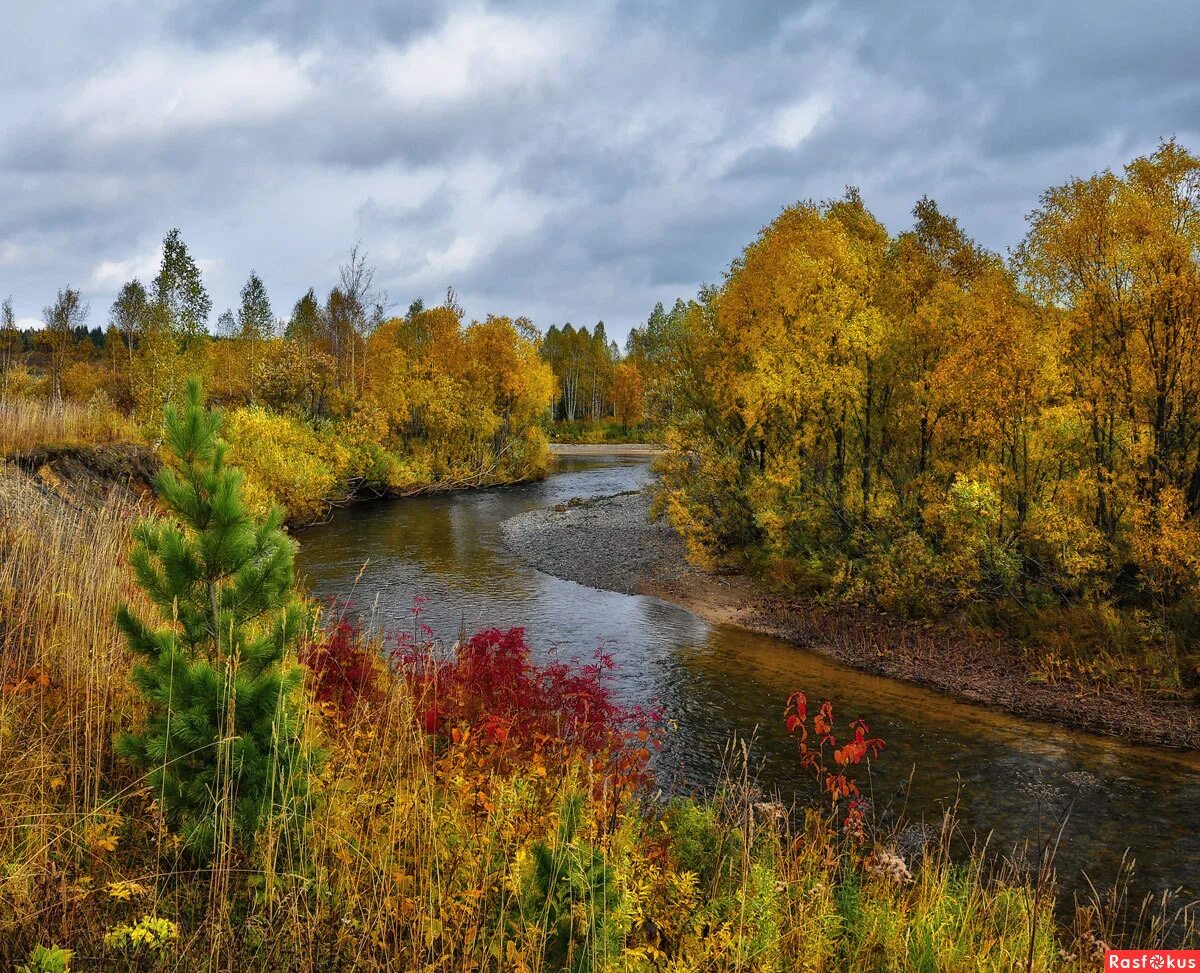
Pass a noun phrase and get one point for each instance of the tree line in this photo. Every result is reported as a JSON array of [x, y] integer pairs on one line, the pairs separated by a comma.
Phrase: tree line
[[916, 422], [594, 381], [341, 392]]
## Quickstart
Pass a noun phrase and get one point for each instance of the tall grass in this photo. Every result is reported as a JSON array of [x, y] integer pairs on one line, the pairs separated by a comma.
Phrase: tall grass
[[454, 851], [29, 423], [64, 673]]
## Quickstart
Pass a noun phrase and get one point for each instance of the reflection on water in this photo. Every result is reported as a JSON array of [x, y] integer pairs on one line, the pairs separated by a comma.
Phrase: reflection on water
[[715, 682]]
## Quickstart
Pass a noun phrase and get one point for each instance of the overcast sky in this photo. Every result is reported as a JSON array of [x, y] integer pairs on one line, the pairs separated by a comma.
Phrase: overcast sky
[[567, 164]]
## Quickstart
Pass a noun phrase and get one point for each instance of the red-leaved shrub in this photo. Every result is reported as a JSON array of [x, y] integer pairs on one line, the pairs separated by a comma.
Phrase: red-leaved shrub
[[344, 670], [492, 691], [488, 704]]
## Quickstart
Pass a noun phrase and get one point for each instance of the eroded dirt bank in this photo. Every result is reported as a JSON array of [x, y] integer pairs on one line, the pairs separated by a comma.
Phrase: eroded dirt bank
[[610, 543], [84, 475], [87, 474]]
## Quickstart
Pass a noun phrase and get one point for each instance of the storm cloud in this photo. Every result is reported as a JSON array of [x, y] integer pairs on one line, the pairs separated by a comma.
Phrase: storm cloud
[[570, 163]]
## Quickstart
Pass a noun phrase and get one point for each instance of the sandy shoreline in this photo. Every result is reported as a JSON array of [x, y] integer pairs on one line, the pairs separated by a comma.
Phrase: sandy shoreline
[[607, 449], [610, 543]]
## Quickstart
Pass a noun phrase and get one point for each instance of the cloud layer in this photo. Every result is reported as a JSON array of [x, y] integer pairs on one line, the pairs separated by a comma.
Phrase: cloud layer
[[566, 165]]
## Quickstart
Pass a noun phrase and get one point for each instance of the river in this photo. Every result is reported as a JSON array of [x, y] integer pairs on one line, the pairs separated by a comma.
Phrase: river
[[714, 682]]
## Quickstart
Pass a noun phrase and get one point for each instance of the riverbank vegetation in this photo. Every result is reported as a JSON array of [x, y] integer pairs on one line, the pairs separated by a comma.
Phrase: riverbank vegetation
[[913, 423], [399, 806], [341, 397]]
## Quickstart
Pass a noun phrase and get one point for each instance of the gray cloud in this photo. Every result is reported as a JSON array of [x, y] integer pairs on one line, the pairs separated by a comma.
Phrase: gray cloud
[[570, 166]]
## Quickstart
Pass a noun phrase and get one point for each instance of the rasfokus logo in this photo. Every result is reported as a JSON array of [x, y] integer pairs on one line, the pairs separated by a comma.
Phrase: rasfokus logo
[[1152, 959]]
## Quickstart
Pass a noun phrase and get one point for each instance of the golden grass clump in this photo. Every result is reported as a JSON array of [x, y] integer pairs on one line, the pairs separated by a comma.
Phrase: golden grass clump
[[29, 423]]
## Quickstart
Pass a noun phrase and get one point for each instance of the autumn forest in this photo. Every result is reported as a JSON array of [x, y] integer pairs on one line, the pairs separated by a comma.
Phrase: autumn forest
[[913, 422]]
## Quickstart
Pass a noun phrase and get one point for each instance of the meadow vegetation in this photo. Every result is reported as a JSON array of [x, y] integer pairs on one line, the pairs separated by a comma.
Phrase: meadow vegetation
[[27, 423]]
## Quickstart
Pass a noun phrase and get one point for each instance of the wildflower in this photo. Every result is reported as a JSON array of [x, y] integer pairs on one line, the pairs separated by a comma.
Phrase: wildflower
[[888, 865]]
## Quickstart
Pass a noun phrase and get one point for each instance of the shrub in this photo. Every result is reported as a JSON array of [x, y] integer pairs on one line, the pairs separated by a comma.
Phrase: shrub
[[285, 462], [827, 761], [344, 670], [493, 688], [695, 835]]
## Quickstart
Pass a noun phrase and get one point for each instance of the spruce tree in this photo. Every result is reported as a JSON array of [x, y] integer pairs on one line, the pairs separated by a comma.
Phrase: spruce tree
[[222, 743]]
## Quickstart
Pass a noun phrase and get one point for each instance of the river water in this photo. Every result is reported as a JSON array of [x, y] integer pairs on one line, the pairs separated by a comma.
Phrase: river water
[[1008, 776]]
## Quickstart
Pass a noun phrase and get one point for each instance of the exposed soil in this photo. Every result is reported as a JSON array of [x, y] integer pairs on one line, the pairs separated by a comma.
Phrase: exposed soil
[[88, 474], [611, 543], [83, 475]]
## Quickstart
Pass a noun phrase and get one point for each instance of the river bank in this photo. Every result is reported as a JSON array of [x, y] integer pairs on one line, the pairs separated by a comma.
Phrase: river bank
[[611, 543], [607, 449], [87, 474]]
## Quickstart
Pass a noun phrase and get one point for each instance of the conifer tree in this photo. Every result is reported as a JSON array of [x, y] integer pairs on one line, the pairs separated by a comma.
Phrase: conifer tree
[[572, 893], [222, 743]]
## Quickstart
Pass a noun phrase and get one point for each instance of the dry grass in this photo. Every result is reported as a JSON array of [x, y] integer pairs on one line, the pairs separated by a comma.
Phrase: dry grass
[[28, 423], [64, 672], [420, 858]]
